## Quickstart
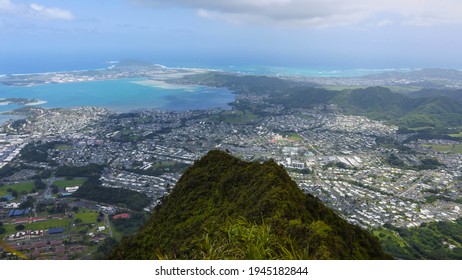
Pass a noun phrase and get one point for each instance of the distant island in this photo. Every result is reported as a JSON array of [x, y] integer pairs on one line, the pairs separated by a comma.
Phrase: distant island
[[402, 80], [20, 101], [120, 70]]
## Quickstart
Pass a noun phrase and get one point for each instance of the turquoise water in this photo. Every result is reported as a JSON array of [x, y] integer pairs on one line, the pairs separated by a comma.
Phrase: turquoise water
[[120, 96], [305, 72]]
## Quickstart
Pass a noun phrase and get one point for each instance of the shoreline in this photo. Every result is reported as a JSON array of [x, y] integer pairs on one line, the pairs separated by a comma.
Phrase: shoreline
[[282, 71], [111, 65], [38, 102], [162, 84]]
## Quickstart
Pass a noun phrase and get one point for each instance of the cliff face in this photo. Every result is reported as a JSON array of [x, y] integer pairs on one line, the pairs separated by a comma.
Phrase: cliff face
[[226, 208]]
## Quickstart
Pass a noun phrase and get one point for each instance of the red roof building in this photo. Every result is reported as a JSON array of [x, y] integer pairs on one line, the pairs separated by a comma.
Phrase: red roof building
[[121, 216]]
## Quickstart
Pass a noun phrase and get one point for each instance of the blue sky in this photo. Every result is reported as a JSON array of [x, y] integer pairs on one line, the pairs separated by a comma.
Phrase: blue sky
[[302, 33]]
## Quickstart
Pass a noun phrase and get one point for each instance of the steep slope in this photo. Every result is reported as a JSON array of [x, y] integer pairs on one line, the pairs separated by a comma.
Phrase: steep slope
[[226, 208]]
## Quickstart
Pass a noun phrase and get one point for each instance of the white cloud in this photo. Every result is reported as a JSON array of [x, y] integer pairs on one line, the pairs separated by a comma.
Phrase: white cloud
[[34, 10], [323, 12], [50, 13], [383, 23], [6, 5]]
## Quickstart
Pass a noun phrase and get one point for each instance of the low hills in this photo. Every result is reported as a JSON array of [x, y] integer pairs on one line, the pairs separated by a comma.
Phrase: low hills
[[426, 111], [432, 112], [226, 208]]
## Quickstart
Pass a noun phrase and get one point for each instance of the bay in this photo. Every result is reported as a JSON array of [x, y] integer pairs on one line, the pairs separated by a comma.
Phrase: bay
[[121, 95]]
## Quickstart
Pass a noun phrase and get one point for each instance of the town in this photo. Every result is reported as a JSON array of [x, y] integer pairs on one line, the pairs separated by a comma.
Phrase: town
[[338, 158], [75, 180]]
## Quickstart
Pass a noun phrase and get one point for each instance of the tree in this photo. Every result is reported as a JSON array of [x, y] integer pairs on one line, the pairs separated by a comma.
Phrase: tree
[[28, 203], [19, 227], [54, 189], [39, 184]]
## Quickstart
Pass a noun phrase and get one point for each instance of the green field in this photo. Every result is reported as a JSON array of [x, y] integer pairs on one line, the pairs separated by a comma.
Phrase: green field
[[235, 116], [458, 135], [452, 149], [294, 137], [20, 187], [50, 223], [87, 217], [69, 183], [62, 147]]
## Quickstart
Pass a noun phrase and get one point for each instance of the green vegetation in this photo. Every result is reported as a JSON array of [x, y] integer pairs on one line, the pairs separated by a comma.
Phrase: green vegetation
[[162, 167], [458, 135], [337, 164], [9, 170], [2, 229], [69, 183], [452, 149], [92, 190], [235, 116], [51, 207], [127, 135], [425, 164], [294, 137], [236, 83], [89, 171], [426, 112], [395, 161], [436, 240], [17, 188], [393, 244], [39, 151], [105, 248], [432, 92], [429, 163], [86, 217], [42, 225], [127, 227], [223, 207], [62, 147]]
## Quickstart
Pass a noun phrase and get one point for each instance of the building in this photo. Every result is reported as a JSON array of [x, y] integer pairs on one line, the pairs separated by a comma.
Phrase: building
[[121, 216], [72, 189], [55, 230]]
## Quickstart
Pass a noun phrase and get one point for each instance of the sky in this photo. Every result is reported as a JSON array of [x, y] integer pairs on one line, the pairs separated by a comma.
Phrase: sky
[[291, 33]]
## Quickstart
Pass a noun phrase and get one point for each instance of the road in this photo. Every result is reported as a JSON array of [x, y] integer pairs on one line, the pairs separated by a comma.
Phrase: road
[[106, 218]]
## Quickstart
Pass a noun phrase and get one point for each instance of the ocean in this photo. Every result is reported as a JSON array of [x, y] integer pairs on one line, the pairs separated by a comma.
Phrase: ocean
[[279, 71]]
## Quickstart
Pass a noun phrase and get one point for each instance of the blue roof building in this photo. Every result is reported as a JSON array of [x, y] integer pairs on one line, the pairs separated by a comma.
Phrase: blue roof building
[[55, 230], [18, 212], [8, 197]]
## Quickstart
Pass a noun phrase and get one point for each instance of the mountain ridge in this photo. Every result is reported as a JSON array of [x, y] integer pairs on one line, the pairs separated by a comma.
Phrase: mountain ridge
[[222, 207]]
